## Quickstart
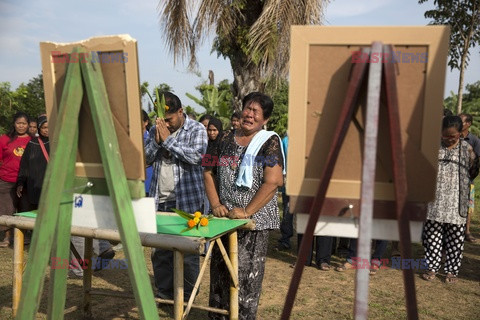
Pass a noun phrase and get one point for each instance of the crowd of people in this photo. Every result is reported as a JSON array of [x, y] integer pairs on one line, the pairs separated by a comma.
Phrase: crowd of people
[[178, 177], [24, 153]]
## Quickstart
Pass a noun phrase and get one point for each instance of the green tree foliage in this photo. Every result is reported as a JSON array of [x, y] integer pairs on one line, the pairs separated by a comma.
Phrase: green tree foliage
[[190, 111], [471, 105], [463, 17], [279, 94], [28, 98], [216, 100], [253, 34], [473, 92], [163, 87], [32, 98], [148, 98]]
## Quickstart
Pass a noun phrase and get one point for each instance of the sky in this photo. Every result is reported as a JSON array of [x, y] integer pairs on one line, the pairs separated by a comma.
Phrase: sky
[[25, 23]]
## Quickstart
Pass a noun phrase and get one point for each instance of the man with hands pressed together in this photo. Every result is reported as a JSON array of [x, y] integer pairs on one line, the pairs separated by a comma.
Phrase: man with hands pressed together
[[175, 148]]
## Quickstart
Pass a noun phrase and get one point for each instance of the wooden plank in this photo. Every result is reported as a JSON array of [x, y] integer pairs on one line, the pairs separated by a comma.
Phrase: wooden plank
[[228, 263], [18, 242], [162, 241], [234, 289], [117, 186], [55, 177], [368, 182], [61, 247], [199, 280], [400, 181], [178, 287], [87, 278], [171, 302]]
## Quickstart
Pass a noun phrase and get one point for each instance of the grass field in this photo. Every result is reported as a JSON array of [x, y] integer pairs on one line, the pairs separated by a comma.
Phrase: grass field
[[322, 295]]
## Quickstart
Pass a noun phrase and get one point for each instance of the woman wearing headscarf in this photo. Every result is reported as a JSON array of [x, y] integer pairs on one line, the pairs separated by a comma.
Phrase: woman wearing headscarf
[[34, 164], [12, 147], [214, 132]]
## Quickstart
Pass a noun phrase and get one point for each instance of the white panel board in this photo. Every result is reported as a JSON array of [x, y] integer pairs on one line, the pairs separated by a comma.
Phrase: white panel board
[[382, 229], [96, 211]]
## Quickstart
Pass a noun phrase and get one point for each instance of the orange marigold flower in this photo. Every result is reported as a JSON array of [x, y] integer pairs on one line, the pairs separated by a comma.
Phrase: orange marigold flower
[[167, 107], [191, 223], [197, 214], [204, 222]]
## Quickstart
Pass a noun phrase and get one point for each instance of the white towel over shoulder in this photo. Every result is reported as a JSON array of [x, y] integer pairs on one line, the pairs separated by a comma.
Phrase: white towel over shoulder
[[245, 173]]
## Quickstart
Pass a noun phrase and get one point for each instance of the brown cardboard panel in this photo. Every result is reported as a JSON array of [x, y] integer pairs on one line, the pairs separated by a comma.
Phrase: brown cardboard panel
[[118, 60], [320, 66]]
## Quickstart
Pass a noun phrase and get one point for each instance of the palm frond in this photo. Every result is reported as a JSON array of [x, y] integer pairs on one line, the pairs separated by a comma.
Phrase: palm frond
[[173, 15], [183, 214], [269, 36], [214, 14]]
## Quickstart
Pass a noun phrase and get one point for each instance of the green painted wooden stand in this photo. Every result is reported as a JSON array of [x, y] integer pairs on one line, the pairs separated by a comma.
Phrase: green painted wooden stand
[[55, 208]]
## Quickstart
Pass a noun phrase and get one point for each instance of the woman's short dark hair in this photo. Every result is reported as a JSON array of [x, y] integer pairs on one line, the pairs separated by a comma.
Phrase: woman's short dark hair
[[172, 101], [262, 99], [452, 122]]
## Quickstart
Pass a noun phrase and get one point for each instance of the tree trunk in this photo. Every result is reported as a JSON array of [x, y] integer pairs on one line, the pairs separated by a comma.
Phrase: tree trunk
[[246, 79], [460, 83], [462, 73], [466, 47], [211, 78]]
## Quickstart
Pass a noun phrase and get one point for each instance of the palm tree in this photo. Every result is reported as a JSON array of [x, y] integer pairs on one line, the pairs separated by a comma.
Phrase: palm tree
[[253, 34], [211, 101]]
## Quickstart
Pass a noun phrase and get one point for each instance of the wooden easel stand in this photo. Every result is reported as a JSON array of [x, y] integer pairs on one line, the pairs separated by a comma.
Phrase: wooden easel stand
[[54, 221], [376, 86]]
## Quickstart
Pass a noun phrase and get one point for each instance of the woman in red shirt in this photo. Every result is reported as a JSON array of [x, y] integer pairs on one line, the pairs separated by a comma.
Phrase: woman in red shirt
[[12, 146]]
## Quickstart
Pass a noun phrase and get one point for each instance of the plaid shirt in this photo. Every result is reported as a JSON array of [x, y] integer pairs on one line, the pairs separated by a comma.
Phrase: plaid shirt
[[186, 149]]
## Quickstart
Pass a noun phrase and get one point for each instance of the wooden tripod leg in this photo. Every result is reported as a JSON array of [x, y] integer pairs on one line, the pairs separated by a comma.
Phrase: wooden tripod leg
[[368, 183], [61, 246], [348, 107], [55, 176], [400, 179]]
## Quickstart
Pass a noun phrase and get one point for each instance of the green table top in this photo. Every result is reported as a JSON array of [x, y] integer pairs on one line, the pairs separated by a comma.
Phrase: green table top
[[173, 224], [170, 224], [27, 214]]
